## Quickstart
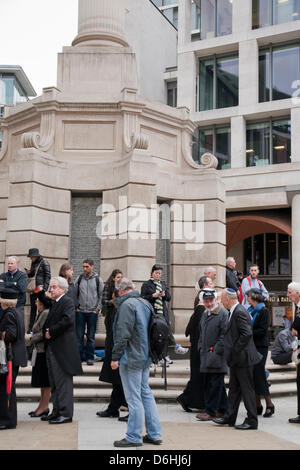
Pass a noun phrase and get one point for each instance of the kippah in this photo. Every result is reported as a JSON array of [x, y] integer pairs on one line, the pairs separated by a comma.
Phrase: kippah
[[230, 291]]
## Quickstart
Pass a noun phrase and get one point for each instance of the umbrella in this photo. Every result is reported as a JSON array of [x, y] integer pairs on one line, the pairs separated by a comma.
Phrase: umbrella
[[9, 374]]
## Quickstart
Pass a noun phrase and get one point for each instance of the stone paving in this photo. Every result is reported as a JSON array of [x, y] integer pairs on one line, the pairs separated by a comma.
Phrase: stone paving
[[180, 431]]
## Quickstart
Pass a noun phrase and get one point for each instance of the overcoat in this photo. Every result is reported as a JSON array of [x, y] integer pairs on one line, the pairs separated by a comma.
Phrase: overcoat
[[61, 324]]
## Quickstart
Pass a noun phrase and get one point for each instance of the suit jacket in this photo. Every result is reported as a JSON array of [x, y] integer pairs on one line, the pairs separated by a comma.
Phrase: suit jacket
[[239, 347], [61, 324]]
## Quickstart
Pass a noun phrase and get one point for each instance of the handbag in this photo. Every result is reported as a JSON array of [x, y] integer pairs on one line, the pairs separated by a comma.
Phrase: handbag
[[3, 360], [31, 286]]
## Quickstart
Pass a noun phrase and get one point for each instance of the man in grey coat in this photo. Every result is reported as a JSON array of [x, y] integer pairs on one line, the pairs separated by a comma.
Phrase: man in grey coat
[[213, 325]]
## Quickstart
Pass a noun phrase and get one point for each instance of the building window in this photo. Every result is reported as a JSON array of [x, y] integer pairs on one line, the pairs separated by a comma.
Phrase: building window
[[216, 140], [11, 92], [271, 252], [172, 93], [211, 18], [279, 68], [0, 140], [271, 12], [218, 82], [268, 142]]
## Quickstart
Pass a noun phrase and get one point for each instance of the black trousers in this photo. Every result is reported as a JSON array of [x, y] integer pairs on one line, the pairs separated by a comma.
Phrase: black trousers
[[241, 386], [8, 411], [61, 387], [215, 394], [117, 398], [33, 310]]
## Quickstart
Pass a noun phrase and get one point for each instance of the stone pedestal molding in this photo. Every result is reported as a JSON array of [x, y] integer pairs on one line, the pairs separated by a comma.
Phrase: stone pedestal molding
[[100, 22]]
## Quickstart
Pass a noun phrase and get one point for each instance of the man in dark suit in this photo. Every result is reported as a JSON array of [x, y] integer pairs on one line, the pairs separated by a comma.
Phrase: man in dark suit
[[241, 355], [62, 353]]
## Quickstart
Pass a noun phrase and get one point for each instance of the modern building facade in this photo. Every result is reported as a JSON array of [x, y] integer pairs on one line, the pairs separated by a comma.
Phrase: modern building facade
[[240, 79]]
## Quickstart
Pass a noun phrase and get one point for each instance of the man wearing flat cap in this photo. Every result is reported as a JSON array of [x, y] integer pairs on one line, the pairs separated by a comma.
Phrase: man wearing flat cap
[[213, 325], [41, 273], [241, 355]]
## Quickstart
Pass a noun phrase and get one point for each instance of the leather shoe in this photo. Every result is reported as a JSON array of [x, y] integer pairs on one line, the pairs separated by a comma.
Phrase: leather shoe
[[181, 402], [60, 420], [149, 440], [107, 414], [222, 421], [204, 417], [125, 443], [47, 418], [3, 427], [245, 426], [295, 420], [124, 419], [39, 415]]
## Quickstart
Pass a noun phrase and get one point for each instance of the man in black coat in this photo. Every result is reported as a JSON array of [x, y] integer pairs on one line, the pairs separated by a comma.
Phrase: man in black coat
[[293, 294], [241, 355], [232, 281], [62, 352]]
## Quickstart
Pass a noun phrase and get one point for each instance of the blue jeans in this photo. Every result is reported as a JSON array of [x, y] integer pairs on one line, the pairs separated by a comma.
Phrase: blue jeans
[[140, 399], [88, 319]]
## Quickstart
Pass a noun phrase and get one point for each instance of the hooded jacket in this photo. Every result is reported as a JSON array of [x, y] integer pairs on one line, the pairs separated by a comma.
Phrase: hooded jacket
[[130, 331]]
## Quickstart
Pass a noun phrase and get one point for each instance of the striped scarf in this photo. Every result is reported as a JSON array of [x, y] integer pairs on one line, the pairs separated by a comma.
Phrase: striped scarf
[[158, 304]]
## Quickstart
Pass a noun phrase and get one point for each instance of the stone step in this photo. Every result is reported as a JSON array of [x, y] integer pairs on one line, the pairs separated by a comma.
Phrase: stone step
[[87, 394]]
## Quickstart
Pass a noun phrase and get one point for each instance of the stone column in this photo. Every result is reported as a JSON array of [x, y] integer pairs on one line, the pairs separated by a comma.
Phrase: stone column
[[184, 20], [295, 134], [101, 22], [238, 142], [248, 73], [296, 237], [241, 16]]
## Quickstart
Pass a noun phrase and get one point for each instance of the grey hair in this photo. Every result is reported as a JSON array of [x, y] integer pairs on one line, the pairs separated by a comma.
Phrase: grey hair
[[61, 281], [209, 270], [14, 257], [294, 286], [124, 284], [229, 260]]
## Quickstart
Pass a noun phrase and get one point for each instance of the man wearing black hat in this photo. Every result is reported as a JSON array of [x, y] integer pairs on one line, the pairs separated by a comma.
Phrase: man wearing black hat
[[12, 332], [40, 271]]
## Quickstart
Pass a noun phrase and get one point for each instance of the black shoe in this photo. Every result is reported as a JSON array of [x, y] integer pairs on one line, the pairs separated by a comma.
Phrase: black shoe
[[259, 410], [270, 410], [245, 426], [149, 440], [181, 402], [32, 414], [295, 420], [124, 419], [60, 420], [222, 421], [47, 418], [107, 414], [125, 443], [3, 427], [90, 362]]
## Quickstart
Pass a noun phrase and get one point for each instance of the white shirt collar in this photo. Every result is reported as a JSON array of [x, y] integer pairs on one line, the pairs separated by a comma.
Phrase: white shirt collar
[[56, 300], [233, 307]]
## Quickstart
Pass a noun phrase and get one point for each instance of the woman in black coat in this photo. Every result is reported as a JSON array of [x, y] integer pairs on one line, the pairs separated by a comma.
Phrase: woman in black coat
[[117, 397], [260, 324], [12, 332]]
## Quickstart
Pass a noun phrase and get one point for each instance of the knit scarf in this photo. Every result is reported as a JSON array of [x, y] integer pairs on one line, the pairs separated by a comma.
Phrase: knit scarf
[[158, 304], [255, 311]]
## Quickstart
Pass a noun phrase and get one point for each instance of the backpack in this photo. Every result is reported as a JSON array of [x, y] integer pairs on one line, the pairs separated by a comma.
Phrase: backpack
[[243, 300], [79, 281], [158, 336]]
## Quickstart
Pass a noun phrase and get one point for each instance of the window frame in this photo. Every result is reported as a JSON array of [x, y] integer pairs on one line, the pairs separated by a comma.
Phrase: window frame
[[270, 121]]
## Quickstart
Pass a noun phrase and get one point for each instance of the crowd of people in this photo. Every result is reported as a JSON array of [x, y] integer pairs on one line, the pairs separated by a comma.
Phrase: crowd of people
[[228, 334]]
